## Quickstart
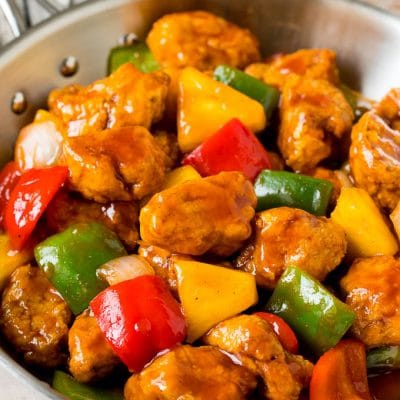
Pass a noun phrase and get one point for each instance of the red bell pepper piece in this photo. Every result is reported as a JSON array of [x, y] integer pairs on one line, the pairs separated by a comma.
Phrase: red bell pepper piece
[[139, 318], [9, 176], [28, 201], [232, 148], [284, 332], [341, 373]]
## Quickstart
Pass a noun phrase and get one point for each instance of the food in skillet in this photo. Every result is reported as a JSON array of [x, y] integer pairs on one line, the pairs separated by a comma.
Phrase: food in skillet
[[182, 228]]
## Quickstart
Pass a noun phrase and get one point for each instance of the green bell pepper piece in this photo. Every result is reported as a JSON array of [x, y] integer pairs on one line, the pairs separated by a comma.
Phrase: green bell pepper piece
[[384, 358], [68, 386], [138, 54], [267, 95], [70, 260], [315, 314], [282, 188]]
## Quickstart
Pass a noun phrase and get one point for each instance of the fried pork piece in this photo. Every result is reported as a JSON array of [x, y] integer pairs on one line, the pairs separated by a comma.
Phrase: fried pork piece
[[253, 341], [91, 357], [310, 63], [35, 318], [372, 291], [195, 373], [117, 164], [201, 40], [207, 215], [127, 97], [288, 236], [314, 116], [69, 208], [168, 143], [375, 151]]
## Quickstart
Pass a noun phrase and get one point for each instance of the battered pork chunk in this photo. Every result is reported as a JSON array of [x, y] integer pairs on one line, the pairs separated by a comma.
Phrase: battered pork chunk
[[310, 63], [253, 341], [91, 357], [202, 40], [375, 151], [195, 373], [372, 290], [35, 318], [127, 97], [207, 215], [122, 217], [116, 164], [314, 116], [288, 236]]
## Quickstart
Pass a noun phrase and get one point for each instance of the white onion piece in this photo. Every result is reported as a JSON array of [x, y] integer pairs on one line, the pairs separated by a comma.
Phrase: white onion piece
[[124, 268], [38, 145]]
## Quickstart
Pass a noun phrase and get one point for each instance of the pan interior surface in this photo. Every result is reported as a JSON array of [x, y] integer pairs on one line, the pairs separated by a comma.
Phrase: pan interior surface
[[366, 41]]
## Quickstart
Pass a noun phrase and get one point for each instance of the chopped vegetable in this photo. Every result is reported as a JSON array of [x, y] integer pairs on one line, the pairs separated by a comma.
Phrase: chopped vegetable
[[28, 201], [70, 260], [232, 148], [68, 386], [284, 332], [180, 175], [138, 54], [209, 294], [11, 259], [315, 314], [281, 188], [267, 95], [341, 373], [206, 105], [9, 176], [139, 318], [124, 268], [366, 231], [384, 358]]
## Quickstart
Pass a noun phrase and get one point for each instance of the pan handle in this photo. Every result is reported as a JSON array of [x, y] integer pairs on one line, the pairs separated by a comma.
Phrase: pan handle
[[13, 16]]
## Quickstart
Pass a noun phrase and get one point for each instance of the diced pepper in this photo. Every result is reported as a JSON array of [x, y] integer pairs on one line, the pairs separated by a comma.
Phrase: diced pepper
[[284, 332], [341, 373], [267, 95], [357, 101], [385, 387], [139, 318], [282, 188], [138, 54], [180, 175], [74, 390], [209, 294], [28, 201], [366, 231], [11, 259], [205, 105], [232, 148], [9, 176], [384, 358], [70, 260], [315, 314]]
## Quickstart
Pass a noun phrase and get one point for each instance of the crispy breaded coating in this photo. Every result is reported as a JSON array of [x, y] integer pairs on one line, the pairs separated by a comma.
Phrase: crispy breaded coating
[[126, 97], [288, 236], [117, 164], [195, 373], [35, 318], [201, 40], [371, 287], [195, 217]]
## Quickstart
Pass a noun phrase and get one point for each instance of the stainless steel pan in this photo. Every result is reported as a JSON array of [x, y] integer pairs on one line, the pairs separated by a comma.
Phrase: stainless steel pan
[[367, 42]]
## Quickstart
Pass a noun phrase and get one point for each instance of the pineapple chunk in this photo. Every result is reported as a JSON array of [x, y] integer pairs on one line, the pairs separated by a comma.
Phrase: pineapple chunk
[[205, 105], [366, 230], [11, 259], [180, 175], [210, 294]]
